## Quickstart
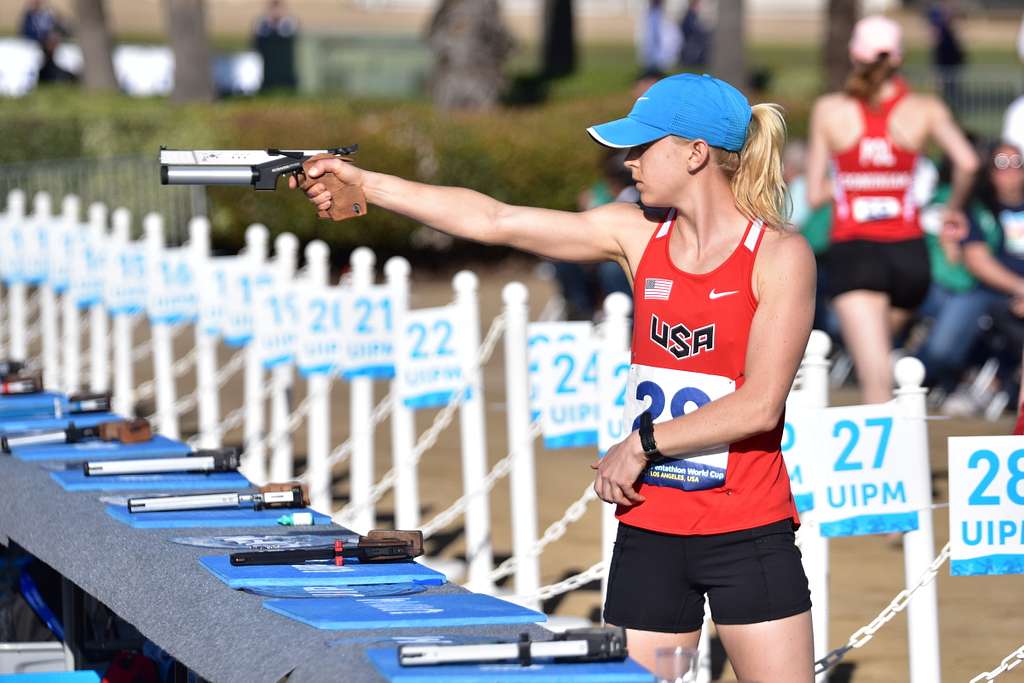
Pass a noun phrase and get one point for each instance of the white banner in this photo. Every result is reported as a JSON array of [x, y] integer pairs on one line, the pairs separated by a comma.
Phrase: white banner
[[865, 483], [538, 335], [321, 334], [125, 287], [612, 376], [429, 357], [213, 294], [986, 505], [88, 270], [802, 453], [368, 345], [277, 321], [36, 259], [15, 247], [246, 284], [172, 294], [567, 395], [64, 241]]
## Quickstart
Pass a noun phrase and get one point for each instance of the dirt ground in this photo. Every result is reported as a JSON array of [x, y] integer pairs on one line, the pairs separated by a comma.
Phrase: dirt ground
[[981, 620]]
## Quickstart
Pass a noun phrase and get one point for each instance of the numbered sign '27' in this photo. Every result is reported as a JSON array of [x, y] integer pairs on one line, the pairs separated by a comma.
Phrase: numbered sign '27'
[[986, 505]]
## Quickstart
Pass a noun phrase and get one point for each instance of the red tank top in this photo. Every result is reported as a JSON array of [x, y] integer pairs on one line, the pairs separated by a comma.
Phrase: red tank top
[[873, 181], [690, 336]]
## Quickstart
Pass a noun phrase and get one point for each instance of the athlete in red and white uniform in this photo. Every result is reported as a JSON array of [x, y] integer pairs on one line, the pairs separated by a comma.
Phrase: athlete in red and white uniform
[[877, 269], [690, 341], [724, 301]]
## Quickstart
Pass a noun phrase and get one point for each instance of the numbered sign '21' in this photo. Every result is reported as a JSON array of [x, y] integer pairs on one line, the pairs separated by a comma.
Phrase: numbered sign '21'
[[368, 347], [986, 505], [430, 358], [866, 483]]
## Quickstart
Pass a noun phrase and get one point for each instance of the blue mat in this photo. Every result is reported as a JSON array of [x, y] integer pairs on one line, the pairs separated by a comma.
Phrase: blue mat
[[26, 405], [15, 425], [75, 480], [426, 611], [62, 677], [319, 574], [386, 662], [159, 447], [183, 519]]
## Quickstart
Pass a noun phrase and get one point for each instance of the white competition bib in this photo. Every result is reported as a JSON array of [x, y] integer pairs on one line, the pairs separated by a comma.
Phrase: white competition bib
[[668, 394], [1013, 231], [867, 209]]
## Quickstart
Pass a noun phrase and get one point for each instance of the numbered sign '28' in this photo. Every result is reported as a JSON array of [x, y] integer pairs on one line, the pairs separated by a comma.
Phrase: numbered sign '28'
[[986, 505]]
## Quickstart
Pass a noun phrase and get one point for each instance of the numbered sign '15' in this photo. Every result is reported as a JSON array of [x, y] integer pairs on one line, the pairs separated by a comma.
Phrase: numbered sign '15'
[[612, 377], [866, 481], [368, 345], [986, 505], [276, 321], [172, 296], [567, 394], [320, 329], [429, 358], [801, 451]]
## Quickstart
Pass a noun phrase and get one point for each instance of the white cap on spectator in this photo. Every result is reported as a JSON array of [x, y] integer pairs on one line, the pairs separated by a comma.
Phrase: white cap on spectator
[[873, 36]]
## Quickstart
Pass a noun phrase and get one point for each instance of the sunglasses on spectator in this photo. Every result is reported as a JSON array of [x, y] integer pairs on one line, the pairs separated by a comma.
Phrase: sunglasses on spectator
[[1003, 161]]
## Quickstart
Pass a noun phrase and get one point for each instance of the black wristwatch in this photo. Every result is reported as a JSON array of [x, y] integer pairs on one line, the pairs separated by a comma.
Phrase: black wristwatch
[[646, 433]]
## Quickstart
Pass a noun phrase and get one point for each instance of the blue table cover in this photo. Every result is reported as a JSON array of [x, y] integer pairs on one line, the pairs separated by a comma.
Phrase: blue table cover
[[426, 610], [376, 590], [386, 662], [75, 480], [56, 677], [320, 574], [24, 405], [15, 425], [232, 517], [158, 447]]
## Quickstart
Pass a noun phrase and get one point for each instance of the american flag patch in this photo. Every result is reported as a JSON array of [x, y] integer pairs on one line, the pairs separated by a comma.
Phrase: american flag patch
[[657, 288]]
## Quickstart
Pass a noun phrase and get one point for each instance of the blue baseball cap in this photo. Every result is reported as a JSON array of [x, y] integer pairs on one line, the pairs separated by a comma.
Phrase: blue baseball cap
[[686, 105]]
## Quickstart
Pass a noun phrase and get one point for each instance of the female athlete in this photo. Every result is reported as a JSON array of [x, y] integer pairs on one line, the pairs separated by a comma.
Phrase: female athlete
[[723, 305], [873, 133]]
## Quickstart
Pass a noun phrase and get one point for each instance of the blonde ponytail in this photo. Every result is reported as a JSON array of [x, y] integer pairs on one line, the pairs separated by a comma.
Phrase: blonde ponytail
[[755, 172]]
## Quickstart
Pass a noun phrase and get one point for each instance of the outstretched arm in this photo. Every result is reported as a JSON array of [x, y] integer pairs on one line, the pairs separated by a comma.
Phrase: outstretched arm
[[595, 235]]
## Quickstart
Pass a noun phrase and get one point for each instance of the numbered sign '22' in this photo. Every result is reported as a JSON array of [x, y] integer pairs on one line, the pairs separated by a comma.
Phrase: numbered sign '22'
[[430, 358]]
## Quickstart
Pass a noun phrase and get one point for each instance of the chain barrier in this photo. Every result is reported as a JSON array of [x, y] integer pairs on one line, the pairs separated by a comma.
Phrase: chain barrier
[[595, 573], [179, 369], [144, 349], [1013, 659], [862, 635], [427, 440], [344, 450], [554, 532]]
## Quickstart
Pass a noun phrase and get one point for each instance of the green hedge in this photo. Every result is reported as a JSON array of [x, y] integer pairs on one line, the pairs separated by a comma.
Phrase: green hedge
[[536, 156]]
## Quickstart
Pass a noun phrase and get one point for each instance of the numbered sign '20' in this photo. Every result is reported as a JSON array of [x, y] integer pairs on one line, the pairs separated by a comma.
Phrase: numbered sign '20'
[[986, 505]]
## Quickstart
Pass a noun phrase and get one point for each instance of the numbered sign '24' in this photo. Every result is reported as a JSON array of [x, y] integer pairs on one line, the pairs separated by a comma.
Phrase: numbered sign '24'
[[567, 393], [866, 483], [986, 505]]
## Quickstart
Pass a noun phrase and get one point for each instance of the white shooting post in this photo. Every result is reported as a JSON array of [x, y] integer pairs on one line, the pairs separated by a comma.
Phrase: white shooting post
[[362, 262], [919, 545], [71, 365], [616, 337], [16, 322], [473, 436], [208, 394], [254, 460], [70, 208], [520, 435], [318, 386], [286, 254], [124, 370], [403, 418], [160, 331], [99, 321]]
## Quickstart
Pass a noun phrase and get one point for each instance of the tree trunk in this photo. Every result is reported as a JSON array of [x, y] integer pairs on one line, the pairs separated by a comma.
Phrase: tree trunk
[[97, 46], [842, 15], [559, 39], [470, 43], [728, 44], [193, 75]]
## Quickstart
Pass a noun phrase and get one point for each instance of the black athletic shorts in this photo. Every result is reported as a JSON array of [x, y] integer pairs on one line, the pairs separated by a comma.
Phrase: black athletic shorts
[[899, 269], [657, 582]]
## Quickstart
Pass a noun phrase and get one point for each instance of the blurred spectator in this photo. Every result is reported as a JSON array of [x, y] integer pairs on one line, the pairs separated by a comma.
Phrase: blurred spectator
[[872, 134], [50, 71], [947, 54], [696, 37], [39, 21], [584, 286], [645, 80], [274, 39], [660, 39]]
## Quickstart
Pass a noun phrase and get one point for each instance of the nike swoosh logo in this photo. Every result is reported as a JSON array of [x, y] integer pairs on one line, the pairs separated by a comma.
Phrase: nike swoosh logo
[[718, 295]]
